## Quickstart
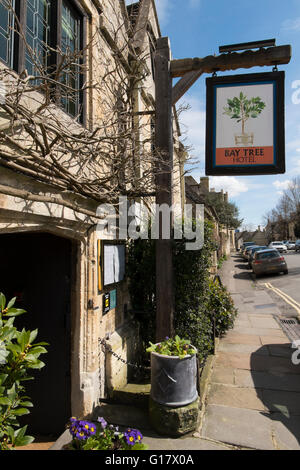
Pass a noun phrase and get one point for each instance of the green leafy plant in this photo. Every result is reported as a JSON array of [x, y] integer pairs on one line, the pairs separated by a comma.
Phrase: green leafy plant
[[172, 347], [221, 261], [191, 277], [90, 436], [221, 306], [241, 108], [195, 295], [18, 354]]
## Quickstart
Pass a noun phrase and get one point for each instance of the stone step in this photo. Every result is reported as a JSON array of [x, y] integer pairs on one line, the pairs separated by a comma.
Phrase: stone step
[[132, 394], [123, 415]]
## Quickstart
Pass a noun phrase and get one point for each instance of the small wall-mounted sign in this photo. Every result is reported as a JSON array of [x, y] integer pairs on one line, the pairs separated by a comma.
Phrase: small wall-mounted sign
[[110, 264], [106, 303], [245, 124], [109, 301]]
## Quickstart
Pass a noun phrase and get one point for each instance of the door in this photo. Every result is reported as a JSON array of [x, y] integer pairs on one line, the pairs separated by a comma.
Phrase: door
[[36, 267]]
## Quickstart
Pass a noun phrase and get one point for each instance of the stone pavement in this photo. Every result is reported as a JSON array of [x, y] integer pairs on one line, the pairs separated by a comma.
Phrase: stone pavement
[[40, 443], [253, 399]]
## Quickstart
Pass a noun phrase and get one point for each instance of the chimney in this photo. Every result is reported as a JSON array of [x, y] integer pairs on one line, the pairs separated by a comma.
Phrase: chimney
[[204, 184]]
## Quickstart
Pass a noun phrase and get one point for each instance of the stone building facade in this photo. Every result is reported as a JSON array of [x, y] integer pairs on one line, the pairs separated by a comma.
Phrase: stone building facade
[[51, 253], [196, 193]]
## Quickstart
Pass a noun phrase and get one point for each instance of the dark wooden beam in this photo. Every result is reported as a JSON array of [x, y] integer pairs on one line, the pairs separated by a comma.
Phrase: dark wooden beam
[[184, 84], [164, 144], [232, 61]]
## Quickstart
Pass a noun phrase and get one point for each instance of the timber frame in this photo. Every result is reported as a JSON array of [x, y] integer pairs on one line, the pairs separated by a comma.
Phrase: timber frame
[[190, 69]]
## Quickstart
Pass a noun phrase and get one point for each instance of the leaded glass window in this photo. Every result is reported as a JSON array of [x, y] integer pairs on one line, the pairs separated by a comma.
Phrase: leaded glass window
[[71, 45], [6, 31], [37, 35]]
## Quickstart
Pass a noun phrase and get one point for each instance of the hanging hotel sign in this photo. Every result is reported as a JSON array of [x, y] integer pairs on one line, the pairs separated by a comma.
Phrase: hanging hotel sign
[[245, 124]]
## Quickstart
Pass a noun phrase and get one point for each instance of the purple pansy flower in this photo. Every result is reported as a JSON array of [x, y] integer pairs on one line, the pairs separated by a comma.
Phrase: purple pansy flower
[[132, 435], [81, 429], [102, 422]]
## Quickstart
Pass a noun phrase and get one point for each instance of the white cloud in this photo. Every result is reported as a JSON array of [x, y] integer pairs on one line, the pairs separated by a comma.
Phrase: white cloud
[[281, 185], [163, 7], [291, 25], [294, 144], [296, 169], [229, 184], [192, 124]]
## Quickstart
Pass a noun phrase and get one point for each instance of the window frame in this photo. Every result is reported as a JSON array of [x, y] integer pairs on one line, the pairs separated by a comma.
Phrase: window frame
[[11, 25], [55, 22]]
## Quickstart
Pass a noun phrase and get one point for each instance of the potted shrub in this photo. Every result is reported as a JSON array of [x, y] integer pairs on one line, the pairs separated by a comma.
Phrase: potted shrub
[[173, 372]]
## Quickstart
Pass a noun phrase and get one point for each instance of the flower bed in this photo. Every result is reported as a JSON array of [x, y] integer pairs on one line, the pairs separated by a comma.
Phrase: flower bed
[[87, 435]]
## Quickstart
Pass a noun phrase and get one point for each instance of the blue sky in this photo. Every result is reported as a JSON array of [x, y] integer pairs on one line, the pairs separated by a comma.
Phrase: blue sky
[[197, 28]]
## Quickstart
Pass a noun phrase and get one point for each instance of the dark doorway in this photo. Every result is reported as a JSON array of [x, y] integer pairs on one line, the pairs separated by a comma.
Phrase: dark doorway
[[37, 268]]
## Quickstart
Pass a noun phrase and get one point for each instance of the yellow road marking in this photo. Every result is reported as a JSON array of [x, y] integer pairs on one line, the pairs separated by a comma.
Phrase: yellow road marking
[[285, 294], [289, 300]]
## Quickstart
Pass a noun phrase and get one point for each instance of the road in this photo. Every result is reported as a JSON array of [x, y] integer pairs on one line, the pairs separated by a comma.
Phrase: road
[[284, 289]]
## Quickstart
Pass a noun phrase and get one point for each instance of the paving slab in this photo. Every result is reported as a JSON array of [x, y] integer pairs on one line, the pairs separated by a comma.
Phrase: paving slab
[[237, 338], [259, 331], [267, 380], [274, 340], [283, 350], [286, 432], [244, 349], [240, 427], [286, 403], [264, 323], [224, 375], [190, 443], [256, 362], [242, 324], [229, 395]]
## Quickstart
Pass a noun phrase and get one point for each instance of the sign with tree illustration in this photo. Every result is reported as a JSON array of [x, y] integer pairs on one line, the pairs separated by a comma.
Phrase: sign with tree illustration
[[245, 124]]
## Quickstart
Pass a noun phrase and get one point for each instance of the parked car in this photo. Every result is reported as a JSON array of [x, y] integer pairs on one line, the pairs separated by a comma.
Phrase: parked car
[[268, 261], [245, 244], [297, 245], [290, 245], [252, 253], [279, 246], [247, 251]]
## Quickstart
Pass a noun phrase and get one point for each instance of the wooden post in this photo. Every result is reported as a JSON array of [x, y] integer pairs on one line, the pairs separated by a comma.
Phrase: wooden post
[[164, 144]]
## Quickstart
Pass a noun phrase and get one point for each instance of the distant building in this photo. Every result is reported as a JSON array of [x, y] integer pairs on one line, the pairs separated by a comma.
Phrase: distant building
[[259, 237]]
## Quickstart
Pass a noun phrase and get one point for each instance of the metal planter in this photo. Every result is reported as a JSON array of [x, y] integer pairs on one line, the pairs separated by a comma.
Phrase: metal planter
[[173, 380]]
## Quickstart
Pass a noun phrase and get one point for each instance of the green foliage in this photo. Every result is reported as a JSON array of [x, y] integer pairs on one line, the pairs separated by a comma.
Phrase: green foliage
[[221, 305], [221, 261], [227, 212], [18, 354], [195, 297], [141, 269], [191, 278], [172, 347], [89, 436]]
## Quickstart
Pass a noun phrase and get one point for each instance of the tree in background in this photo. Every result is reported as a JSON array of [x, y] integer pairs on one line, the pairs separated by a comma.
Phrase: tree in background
[[228, 212], [286, 213]]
